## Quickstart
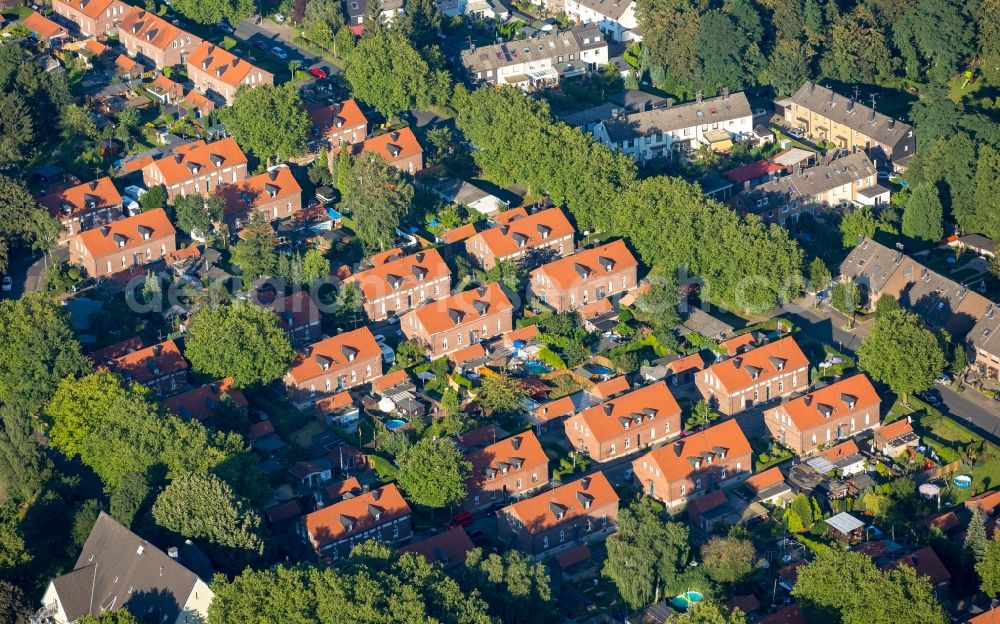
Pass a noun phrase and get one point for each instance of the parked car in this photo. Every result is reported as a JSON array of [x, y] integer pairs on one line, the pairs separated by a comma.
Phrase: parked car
[[318, 73], [278, 17], [759, 112], [279, 52], [260, 45], [796, 132], [388, 355], [461, 519], [931, 396], [226, 28], [8, 284], [944, 380]]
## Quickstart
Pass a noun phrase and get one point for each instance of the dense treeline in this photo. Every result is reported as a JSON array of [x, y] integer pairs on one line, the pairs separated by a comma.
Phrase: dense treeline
[[692, 45], [743, 263]]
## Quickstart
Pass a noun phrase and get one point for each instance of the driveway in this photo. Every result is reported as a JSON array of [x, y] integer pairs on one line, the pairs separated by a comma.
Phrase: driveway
[[277, 34], [28, 271]]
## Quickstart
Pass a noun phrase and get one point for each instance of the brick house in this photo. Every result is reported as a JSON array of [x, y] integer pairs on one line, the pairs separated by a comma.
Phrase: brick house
[[85, 206], [460, 320], [399, 148], [695, 465], [625, 424], [198, 170], [825, 415], [216, 71], [201, 402], [274, 193], [761, 375], [153, 38], [512, 467], [381, 514], [92, 17], [298, 316], [578, 511], [341, 122], [403, 283], [590, 275], [547, 232], [333, 365], [44, 30], [120, 245], [161, 368]]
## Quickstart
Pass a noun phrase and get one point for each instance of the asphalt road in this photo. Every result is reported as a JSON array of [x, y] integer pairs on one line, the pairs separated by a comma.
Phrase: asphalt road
[[28, 271], [975, 409], [275, 34]]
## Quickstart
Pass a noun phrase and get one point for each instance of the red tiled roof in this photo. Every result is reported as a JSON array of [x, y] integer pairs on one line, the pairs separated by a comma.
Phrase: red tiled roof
[[200, 402], [693, 362], [390, 380], [199, 100], [104, 240], [526, 334], [611, 387], [41, 26], [94, 195], [126, 63], [501, 239], [595, 308], [479, 435], [751, 171], [509, 216], [537, 513], [672, 459], [449, 548], [349, 485], [334, 403], [812, 409], [453, 311], [787, 615], [152, 30], [459, 234], [746, 603], [708, 502], [763, 480], [168, 86], [91, 8], [150, 363], [844, 449], [95, 47], [261, 429], [986, 502], [945, 522], [736, 344], [503, 453], [105, 355], [222, 64], [735, 373], [554, 409], [587, 265], [335, 117], [927, 563], [467, 354], [204, 158], [389, 255], [284, 511], [361, 342], [391, 146], [191, 251], [605, 426], [295, 310], [573, 556], [894, 430], [401, 273], [328, 524], [986, 617]]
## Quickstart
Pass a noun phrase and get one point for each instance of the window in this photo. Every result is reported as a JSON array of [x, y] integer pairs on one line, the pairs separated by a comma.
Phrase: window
[[697, 484], [722, 474], [683, 488], [395, 531], [739, 466], [612, 450], [545, 541], [562, 536], [354, 376], [517, 484], [312, 391], [628, 442], [475, 499], [534, 477]]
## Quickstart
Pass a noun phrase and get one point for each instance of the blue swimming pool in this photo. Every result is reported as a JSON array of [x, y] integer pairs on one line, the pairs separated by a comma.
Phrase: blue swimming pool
[[536, 368], [685, 600], [597, 369], [394, 424]]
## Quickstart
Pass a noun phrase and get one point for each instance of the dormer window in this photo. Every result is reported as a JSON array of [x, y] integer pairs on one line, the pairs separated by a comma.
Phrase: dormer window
[[120, 240], [145, 232], [350, 353]]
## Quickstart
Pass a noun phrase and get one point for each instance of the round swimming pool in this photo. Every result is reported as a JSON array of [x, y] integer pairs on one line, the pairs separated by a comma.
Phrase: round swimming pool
[[962, 481], [685, 600], [394, 424]]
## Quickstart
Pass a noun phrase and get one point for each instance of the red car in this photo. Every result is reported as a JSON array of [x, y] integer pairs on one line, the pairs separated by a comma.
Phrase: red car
[[318, 73], [461, 519]]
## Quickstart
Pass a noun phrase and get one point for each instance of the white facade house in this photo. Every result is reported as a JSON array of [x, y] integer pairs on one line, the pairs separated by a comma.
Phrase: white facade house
[[616, 18], [657, 133]]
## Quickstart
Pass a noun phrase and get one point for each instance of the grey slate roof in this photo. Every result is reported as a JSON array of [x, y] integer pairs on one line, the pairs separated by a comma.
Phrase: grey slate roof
[[542, 46], [612, 9], [816, 180], [871, 264], [118, 568], [712, 110], [854, 115]]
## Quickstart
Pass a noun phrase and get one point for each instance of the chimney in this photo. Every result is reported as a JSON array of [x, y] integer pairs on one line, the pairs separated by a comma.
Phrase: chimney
[[830, 98], [178, 158], [725, 93], [481, 291], [850, 105], [607, 409], [737, 361], [585, 483], [420, 256], [698, 97], [678, 448], [504, 229], [172, 552], [395, 135], [93, 185], [272, 174], [376, 493], [807, 399], [670, 102], [105, 230], [515, 442], [211, 48]]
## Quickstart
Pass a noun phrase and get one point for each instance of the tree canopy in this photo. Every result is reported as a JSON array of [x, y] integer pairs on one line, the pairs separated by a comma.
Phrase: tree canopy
[[213, 12], [517, 589], [268, 120], [256, 254], [385, 71], [378, 196], [195, 213], [501, 393], [728, 559], [241, 341], [433, 473], [901, 352], [23, 223]]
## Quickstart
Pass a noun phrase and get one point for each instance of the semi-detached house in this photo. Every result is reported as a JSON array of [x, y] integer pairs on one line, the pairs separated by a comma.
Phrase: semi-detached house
[[340, 122], [216, 72], [512, 467], [460, 320], [755, 377], [161, 368], [93, 18], [381, 514], [590, 275], [400, 148], [199, 170], [403, 283], [825, 415], [275, 194], [154, 39], [333, 365], [85, 206], [657, 133], [698, 464], [544, 234], [120, 245], [625, 424], [615, 18]]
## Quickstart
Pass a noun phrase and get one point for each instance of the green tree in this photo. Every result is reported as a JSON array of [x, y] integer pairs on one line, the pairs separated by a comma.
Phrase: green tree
[[75, 122], [859, 49], [205, 507], [410, 352], [923, 214], [388, 73], [788, 65], [846, 297], [16, 129], [83, 520], [793, 521], [857, 223], [728, 559], [988, 568], [241, 341], [195, 214], [422, 21], [701, 414], [211, 12], [803, 509], [862, 593], [501, 393], [819, 274], [658, 305], [982, 217], [886, 304], [509, 273], [722, 49], [935, 34], [902, 353], [256, 254], [322, 18], [12, 548], [128, 498], [433, 473], [23, 223], [315, 265], [24, 466], [14, 606], [121, 616], [344, 43], [709, 612], [37, 349], [154, 197], [645, 555], [510, 582], [378, 196], [269, 120], [975, 537]]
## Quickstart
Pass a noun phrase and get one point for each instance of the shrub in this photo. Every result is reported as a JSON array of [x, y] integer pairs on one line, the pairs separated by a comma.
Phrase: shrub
[[551, 358]]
